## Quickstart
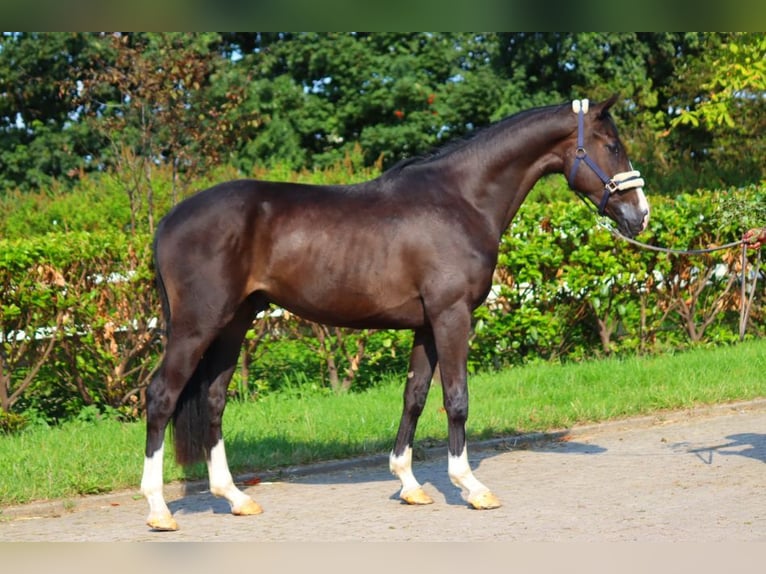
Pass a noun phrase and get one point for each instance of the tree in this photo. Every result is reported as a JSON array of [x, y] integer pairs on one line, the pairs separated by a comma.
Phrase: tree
[[151, 97], [73, 103], [41, 138], [729, 111], [394, 94]]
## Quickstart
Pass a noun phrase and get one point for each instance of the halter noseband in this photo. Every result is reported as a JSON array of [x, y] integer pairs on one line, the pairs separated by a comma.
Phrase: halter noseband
[[618, 182]]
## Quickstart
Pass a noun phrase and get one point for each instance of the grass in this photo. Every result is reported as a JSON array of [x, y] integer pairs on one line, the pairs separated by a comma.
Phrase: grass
[[282, 430]]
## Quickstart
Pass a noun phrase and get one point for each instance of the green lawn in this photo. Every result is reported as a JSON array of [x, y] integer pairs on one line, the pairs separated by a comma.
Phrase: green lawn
[[83, 458]]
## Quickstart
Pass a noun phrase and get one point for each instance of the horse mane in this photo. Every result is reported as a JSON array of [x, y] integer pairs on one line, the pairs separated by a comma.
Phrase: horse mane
[[460, 143]]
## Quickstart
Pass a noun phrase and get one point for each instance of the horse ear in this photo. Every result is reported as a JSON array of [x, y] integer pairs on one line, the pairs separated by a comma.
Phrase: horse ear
[[603, 107]]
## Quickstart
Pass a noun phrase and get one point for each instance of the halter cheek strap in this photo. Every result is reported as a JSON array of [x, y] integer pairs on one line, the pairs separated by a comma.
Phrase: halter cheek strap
[[618, 182]]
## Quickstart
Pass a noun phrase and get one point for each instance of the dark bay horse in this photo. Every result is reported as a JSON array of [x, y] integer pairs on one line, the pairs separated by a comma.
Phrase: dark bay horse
[[412, 249]]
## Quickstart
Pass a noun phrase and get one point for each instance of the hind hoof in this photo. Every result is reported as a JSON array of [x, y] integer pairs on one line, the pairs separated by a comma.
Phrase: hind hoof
[[249, 508], [485, 501], [162, 523], [416, 497]]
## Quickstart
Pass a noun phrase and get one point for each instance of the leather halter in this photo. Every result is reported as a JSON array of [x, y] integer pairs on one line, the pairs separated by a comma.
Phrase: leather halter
[[618, 182]]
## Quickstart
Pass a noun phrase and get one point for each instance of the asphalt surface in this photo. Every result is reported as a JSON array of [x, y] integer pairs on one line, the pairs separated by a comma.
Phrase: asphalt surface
[[691, 476]]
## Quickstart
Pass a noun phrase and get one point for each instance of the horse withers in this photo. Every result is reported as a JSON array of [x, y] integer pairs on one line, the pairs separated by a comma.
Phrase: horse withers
[[415, 248]]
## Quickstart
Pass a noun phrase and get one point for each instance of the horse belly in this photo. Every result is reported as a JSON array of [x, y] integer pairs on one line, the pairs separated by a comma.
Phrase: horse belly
[[340, 287], [406, 316], [347, 305]]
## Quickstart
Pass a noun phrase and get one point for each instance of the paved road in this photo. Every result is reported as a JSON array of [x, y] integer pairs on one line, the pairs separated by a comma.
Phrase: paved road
[[683, 476]]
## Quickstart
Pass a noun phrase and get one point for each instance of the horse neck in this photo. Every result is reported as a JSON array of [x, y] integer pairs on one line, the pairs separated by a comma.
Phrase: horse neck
[[502, 165]]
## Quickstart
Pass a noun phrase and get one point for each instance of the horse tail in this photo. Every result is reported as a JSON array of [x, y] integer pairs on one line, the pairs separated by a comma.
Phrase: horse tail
[[161, 285], [190, 420], [190, 423]]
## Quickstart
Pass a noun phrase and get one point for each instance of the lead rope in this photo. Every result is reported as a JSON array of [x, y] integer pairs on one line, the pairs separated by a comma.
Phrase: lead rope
[[745, 301], [641, 244]]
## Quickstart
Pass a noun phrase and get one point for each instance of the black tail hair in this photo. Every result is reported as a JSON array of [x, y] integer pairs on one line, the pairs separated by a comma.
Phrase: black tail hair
[[190, 422]]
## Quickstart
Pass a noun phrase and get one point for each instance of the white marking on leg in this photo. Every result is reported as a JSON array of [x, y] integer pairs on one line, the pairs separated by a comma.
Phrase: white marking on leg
[[401, 466], [461, 476], [222, 484], [151, 487]]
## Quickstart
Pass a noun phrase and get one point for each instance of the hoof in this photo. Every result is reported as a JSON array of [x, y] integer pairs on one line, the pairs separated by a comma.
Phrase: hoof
[[162, 523], [416, 497], [249, 508], [485, 501]]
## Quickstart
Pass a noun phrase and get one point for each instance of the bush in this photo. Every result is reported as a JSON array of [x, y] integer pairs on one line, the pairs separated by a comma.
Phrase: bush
[[78, 312], [567, 289]]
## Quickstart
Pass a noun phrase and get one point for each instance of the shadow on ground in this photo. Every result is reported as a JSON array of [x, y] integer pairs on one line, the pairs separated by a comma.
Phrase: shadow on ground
[[374, 468], [750, 445]]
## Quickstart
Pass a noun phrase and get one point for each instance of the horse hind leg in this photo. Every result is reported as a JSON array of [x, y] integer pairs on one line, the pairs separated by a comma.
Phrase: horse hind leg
[[180, 361], [223, 354], [159, 517], [422, 365], [194, 363]]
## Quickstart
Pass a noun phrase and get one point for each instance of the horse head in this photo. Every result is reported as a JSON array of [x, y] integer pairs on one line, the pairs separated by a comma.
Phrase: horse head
[[598, 168]]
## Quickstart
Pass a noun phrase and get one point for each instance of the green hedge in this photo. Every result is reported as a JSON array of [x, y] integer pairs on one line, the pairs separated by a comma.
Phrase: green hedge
[[570, 290], [79, 310], [78, 315]]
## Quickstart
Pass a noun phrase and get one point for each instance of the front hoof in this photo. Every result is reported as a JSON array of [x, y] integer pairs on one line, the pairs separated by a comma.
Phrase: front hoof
[[162, 523], [485, 501], [416, 497], [249, 508]]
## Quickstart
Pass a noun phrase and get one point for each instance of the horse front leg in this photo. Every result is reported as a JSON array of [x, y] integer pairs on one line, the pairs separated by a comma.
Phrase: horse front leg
[[451, 331], [422, 365]]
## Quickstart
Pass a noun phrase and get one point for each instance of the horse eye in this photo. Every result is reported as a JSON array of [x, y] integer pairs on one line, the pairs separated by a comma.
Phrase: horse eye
[[613, 148]]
